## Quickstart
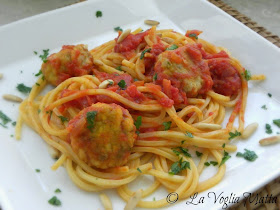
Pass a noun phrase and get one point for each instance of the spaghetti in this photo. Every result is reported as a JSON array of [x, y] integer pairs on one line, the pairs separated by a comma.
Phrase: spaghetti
[[137, 105]]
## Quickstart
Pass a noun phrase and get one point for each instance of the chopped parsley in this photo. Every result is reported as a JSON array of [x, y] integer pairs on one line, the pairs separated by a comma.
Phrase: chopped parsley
[[54, 201], [22, 88], [5, 119], [247, 155], [14, 123], [119, 68], [172, 47], [137, 132], [193, 35], [39, 73], [181, 150], [277, 122], [118, 29], [214, 163], [98, 14], [4, 126], [37, 84], [269, 94], [155, 77], [154, 199], [63, 119], [143, 53], [12, 135], [182, 142], [35, 52], [138, 122], [207, 164], [268, 129], [37, 170], [223, 145], [234, 135], [225, 158], [247, 75], [167, 125], [264, 107], [189, 134], [111, 82], [122, 84], [45, 55], [57, 190], [138, 169], [198, 154], [90, 119], [178, 166]]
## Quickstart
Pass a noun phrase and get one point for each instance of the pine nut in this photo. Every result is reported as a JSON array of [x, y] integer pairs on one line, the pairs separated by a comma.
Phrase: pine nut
[[167, 40], [12, 98], [123, 35], [270, 140], [249, 130], [151, 22], [207, 126]]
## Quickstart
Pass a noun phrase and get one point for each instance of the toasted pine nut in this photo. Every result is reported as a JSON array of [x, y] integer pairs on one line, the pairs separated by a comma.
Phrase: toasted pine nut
[[13, 98], [249, 130], [1, 76], [151, 22], [106, 201], [123, 35], [53, 152], [133, 201], [270, 140], [207, 126], [168, 40], [105, 83]]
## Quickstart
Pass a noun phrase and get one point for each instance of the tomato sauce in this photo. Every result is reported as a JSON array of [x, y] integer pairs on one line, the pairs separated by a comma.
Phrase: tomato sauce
[[225, 76]]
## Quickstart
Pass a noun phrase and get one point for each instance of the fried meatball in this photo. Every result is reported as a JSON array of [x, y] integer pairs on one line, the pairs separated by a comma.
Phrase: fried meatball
[[186, 69], [102, 135], [71, 61]]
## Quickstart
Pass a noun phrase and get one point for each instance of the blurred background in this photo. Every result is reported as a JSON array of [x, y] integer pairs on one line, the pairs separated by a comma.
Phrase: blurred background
[[264, 12]]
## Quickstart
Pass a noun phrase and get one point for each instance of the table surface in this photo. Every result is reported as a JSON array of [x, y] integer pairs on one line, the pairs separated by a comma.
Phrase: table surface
[[264, 12]]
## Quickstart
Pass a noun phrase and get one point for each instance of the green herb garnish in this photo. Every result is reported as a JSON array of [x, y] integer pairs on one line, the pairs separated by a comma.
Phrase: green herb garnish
[[167, 125], [268, 129], [122, 84], [90, 119], [223, 145], [193, 35], [178, 166], [214, 163], [189, 134], [143, 53], [98, 14], [138, 122], [182, 142], [172, 47], [57, 190], [234, 135], [5, 119], [119, 68], [63, 119], [277, 122], [138, 169], [35, 52], [207, 164], [37, 84], [225, 158], [269, 94], [118, 29], [155, 77], [264, 107], [247, 75], [39, 73], [55, 201], [182, 150], [248, 155], [14, 123], [37, 170], [22, 88], [45, 55], [198, 154]]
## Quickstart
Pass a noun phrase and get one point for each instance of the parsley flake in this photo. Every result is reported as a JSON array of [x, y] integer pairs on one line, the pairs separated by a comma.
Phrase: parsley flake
[[143, 53], [247, 155], [118, 29], [45, 55], [14, 123], [155, 77], [198, 154], [138, 169], [167, 125], [138, 122], [63, 119], [90, 119], [39, 73], [98, 14], [178, 166], [35, 52], [54, 201], [207, 164], [277, 122], [193, 35], [5, 119], [268, 129], [57, 190], [247, 75], [119, 68], [214, 163], [189, 134], [269, 94], [122, 84], [223, 145], [234, 135], [182, 150], [264, 107], [22, 88], [37, 170], [225, 158], [182, 142], [172, 47]]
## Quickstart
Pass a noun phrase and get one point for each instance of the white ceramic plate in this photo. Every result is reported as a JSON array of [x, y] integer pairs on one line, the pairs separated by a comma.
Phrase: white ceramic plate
[[22, 188]]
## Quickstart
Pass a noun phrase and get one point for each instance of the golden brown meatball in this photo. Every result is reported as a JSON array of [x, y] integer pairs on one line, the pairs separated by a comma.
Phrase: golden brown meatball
[[102, 135], [186, 69], [71, 61]]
